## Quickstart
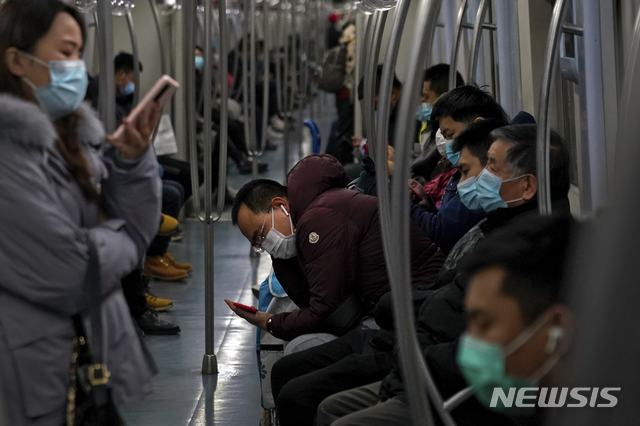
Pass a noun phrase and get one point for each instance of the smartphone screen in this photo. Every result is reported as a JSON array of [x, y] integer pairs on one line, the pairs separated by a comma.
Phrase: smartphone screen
[[245, 307], [418, 196]]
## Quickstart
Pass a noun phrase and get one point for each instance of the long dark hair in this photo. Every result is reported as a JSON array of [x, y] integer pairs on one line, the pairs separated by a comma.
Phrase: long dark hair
[[22, 24]]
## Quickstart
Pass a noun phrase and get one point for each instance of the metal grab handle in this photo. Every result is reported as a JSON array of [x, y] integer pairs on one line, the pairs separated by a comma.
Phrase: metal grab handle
[[418, 383], [380, 147], [246, 110], [477, 38], [206, 90], [453, 65], [189, 93], [156, 19], [136, 58], [372, 69], [457, 399], [285, 85], [370, 23], [236, 58], [543, 139], [224, 108], [107, 68], [279, 59], [265, 88], [253, 78]]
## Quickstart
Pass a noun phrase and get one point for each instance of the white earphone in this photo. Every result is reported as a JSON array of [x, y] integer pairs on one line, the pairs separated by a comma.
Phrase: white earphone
[[555, 334]]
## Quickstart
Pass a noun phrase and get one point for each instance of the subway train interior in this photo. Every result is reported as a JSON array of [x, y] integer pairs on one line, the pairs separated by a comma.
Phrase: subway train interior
[[286, 282]]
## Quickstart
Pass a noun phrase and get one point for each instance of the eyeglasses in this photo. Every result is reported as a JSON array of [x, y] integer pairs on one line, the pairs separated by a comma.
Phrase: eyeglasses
[[257, 244]]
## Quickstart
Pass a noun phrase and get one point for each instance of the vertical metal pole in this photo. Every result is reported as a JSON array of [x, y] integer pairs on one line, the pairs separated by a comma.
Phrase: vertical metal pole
[[224, 115], [278, 46], [449, 13], [477, 39], [189, 96], [136, 58], [236, 57], [371, 75], [418, 380], [265, 82], [107, 79], [379, 152], [508, 57], [287, 89], [209, 362], [453, 64], [370, 26], [256, 144], [544, 131], [246, 93], [593, 156], [161, 42]]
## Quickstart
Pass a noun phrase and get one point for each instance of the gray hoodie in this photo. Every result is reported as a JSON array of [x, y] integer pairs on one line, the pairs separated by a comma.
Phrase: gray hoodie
[[45, 223]]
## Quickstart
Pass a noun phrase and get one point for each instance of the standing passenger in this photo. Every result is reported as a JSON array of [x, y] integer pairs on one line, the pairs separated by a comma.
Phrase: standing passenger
[[63, 190]]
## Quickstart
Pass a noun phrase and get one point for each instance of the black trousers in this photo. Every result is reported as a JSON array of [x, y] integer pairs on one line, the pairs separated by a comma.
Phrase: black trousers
[[133, 288], [301, 381], [172, 201]]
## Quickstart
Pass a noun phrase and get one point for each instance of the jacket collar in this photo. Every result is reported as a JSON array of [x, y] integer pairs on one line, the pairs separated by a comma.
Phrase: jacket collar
[[501, 217], [25, 123]]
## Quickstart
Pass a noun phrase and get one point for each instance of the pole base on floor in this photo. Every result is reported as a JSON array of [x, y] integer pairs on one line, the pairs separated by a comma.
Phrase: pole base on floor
[[210, 364]]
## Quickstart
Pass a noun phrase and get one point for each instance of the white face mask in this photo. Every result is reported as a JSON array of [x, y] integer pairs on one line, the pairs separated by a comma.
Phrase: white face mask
[[276, 244], [441, 144]]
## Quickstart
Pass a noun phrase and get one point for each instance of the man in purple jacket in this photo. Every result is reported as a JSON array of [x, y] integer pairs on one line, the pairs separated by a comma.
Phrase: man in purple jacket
[[326, 247]]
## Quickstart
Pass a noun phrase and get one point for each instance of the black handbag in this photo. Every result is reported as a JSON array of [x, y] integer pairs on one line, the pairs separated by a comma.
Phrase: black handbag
[[89, 400]]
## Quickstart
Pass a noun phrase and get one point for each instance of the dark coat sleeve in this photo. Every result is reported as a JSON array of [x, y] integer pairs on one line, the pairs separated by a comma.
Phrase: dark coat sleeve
[[445, 226], [330, 267]]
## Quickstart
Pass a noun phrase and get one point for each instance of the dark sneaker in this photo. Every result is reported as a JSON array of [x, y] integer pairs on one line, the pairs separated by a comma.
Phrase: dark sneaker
[[151, 324]]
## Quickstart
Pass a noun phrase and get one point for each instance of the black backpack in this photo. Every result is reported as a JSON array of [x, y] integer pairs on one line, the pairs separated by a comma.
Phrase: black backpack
[[334, 69]]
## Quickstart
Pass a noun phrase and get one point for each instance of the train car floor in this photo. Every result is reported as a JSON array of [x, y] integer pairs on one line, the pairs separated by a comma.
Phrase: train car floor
[[182, 395]]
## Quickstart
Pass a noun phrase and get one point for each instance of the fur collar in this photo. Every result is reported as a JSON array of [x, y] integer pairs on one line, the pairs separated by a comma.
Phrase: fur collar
[[25, 123]]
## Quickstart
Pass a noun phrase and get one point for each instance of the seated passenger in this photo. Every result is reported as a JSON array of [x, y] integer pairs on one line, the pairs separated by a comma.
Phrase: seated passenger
[[512, 193], [447, 224], [430, 161], [77, 212], [326, 247], [517, 317]]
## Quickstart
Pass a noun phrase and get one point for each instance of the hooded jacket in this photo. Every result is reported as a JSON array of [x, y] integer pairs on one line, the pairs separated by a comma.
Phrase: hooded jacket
[[339, 248], [45, 224]]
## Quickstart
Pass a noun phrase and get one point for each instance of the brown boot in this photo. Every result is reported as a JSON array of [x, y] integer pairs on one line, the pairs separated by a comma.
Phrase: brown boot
[[171, 261], [157, 267]]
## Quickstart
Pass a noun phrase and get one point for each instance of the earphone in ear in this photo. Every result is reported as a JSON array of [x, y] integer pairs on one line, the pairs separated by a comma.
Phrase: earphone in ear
[[555, 334], [284, 210]]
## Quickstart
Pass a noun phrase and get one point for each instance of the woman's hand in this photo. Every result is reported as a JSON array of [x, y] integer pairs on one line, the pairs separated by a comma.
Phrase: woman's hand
[[137, 135], [258, 319]]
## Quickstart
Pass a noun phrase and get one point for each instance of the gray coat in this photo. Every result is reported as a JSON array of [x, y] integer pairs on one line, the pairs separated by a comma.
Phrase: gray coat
[[45, 223]]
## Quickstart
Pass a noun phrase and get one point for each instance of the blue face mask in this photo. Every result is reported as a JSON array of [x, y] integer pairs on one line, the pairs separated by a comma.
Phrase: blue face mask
[[67, 88], [483, 192], [424, 112], [453, 157], [128, 89], [199, 62]]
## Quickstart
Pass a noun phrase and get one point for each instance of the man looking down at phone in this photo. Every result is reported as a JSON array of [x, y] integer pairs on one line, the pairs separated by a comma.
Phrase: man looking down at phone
[[448, 223], [326, 248]]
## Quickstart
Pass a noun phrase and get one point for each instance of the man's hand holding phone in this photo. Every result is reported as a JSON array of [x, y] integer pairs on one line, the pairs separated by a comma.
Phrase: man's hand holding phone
[[418, 194], [249, 313]]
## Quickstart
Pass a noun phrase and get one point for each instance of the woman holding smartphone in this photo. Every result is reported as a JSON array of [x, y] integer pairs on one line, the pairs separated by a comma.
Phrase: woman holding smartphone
[[67, 192]]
